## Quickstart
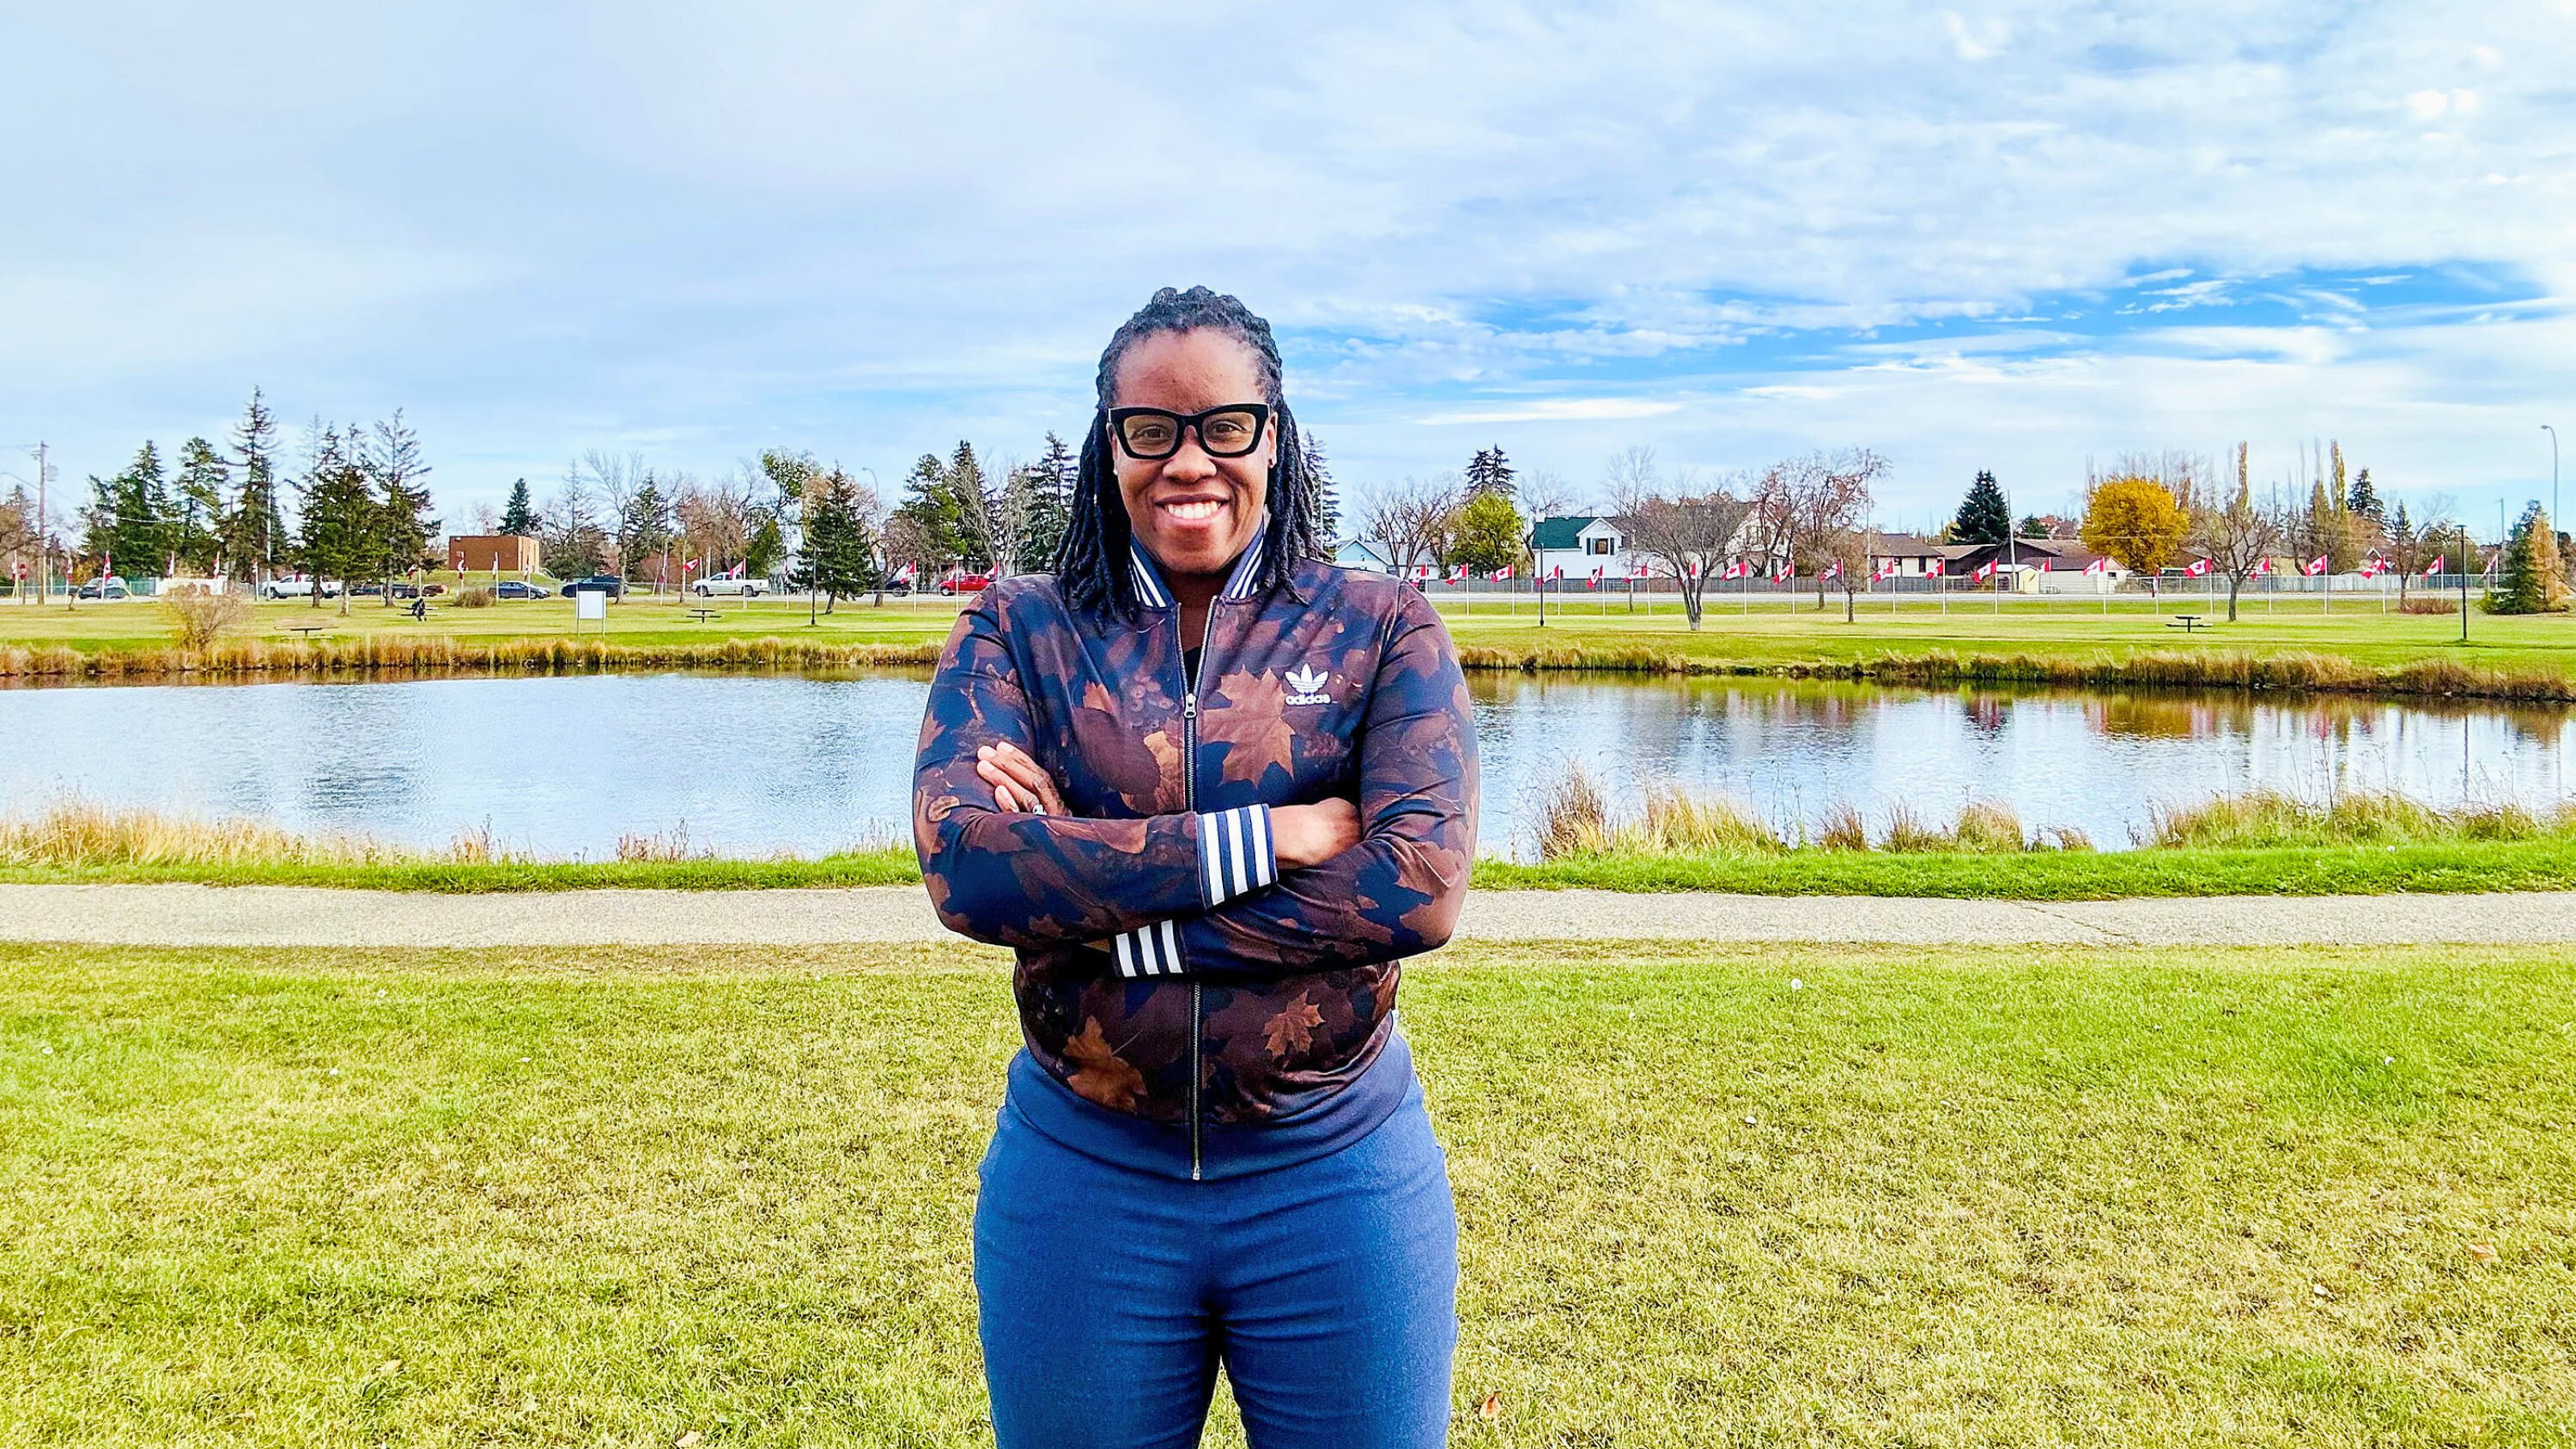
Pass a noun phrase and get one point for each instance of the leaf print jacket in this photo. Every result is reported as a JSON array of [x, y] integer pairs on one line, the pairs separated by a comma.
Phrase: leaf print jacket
[[1167, 967]]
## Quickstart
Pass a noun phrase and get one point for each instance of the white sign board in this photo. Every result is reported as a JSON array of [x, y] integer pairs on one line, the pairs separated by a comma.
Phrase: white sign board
[[590, 604]]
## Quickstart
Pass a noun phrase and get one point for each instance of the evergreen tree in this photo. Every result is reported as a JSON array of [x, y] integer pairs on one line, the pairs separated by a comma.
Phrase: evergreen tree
[[519, 515], [1328, 509], [978, 527], [341, 537], [254, 532], [2532, 578], [766, 546], [2363, 500], [2033, 526], [1037, 512], [1490, 472], [644, 530], [403, 528], [199, 500], [1984, 516], [839, 558], [930, 507], [1061, 468], [130, 518]]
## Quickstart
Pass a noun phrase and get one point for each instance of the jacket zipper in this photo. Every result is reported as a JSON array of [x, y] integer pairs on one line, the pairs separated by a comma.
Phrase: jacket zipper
[[1190, 801]]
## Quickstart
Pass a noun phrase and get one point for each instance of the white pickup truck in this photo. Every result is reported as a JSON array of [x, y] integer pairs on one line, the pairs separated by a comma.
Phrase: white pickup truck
[[298, 588], [729, 588]]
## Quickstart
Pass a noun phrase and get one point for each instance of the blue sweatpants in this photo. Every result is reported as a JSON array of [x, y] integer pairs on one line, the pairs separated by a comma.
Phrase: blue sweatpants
[[1111, 1291]]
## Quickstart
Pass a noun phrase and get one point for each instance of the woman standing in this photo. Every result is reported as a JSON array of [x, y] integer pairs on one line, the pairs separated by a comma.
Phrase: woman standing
[[1213, 790]]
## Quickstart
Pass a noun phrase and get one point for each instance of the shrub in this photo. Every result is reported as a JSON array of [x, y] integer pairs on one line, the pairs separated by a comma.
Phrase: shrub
[[200, 616], [477, 597], [2429, 604]]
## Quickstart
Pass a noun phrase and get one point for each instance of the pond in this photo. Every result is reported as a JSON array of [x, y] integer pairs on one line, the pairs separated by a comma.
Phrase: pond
[[750, 764]]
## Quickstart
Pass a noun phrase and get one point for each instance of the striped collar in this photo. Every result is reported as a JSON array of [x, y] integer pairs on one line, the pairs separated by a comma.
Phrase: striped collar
[[1154, 594]]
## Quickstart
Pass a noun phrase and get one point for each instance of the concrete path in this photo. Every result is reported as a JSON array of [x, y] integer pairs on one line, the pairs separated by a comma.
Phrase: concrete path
[[186, 915]]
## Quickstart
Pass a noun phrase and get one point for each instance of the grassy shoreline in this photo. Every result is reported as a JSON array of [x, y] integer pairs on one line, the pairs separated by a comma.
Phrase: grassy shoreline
[[2254, 843], [2220, 1196], [401, 656], [2486, 866], [2366, 653]]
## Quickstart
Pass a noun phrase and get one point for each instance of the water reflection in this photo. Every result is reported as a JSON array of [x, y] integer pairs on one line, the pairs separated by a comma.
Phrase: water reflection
[[810, 763]]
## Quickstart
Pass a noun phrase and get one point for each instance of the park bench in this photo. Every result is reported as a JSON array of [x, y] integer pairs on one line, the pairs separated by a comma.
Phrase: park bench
[[308, 630], [2187, 622]]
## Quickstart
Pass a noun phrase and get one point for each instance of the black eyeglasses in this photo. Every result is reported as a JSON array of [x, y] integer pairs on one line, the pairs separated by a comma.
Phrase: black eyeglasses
[[1153, 433]]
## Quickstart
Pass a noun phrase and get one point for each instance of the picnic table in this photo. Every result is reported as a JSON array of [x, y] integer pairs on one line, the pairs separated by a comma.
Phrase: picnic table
[[2187, 622], [703, 615]]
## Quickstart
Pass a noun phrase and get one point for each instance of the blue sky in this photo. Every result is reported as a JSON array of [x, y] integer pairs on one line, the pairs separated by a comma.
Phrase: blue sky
[[2016, 237]]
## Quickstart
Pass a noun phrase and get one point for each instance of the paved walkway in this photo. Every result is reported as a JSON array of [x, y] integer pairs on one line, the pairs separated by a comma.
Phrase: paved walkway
[[187, 915]]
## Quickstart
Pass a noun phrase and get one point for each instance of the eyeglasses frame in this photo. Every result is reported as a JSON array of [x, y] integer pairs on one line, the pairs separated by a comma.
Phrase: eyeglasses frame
[[1187, 425]]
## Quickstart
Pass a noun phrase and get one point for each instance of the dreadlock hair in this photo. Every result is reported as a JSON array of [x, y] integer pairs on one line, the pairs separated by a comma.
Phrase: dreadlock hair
[[1091, 561]]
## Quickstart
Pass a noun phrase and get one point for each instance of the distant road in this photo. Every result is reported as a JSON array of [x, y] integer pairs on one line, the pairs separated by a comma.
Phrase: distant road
[[288, 916]]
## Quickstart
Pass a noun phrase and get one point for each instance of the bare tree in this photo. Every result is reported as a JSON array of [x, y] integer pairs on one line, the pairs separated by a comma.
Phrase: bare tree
[[1823, 502], [1682, 530], [2416, 539], [714, 518], [1409, 521], [1546, 493], [2237, 535]]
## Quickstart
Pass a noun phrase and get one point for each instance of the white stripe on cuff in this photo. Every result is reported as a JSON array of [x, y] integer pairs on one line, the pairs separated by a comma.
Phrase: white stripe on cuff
[[1234, 852], [1152, 949]]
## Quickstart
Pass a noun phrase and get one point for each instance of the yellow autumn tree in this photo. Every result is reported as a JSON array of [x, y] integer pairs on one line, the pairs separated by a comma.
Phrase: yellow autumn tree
[[2137, 521]]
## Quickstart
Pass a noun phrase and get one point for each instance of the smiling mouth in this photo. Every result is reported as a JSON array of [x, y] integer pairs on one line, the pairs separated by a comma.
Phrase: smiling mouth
[[1192, 510]]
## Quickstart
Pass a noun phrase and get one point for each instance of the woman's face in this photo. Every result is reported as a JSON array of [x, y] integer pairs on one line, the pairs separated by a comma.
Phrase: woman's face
[[1194, 513]]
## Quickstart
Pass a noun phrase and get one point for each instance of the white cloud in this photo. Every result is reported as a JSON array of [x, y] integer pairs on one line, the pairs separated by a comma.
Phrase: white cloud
[[874, 227]]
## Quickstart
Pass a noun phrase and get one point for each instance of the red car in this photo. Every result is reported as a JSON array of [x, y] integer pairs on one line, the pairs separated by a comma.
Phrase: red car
[[965, 583]]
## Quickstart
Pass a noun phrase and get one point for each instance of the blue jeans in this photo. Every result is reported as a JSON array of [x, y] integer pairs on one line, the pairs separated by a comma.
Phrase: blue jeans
[[1110, 1293]]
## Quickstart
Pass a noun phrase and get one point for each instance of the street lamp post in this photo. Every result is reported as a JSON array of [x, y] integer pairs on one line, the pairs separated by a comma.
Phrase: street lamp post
[[2553, 474]]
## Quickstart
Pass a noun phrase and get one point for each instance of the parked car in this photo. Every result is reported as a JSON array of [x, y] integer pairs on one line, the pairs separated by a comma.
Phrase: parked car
[[298, 587], [720, 586], [112, 588], [609, 584], [513, 589], [965, 583]]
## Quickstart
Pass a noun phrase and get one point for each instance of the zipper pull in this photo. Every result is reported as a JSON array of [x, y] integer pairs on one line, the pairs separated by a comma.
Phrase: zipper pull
[[1190, 705]]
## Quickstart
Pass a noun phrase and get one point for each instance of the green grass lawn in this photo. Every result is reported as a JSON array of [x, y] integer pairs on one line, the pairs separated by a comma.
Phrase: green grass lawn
[[1707, 1195], [1773, 635]]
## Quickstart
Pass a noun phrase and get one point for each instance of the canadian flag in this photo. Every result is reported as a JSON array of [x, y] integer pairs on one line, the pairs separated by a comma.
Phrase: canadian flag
[[2043, 566], [1502, 573], [1457, 573], [1693, 569], [1741, 568], [2098, 566], [1934, 568], [1788, 570], [1833, 570], [735, 572], [2314, 566], [1884, 568], [2262, 566], [2433, 568], [2199, 566], [2370, 568], [1596, 578], [903, 575], [1985, 571], [1638, 570], [1557, 572], [688, 565]]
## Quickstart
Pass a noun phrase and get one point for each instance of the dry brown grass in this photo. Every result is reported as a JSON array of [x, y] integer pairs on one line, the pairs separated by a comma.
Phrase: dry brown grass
[[442, 653], [78, 833], [2357, 817], [200, 616]]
